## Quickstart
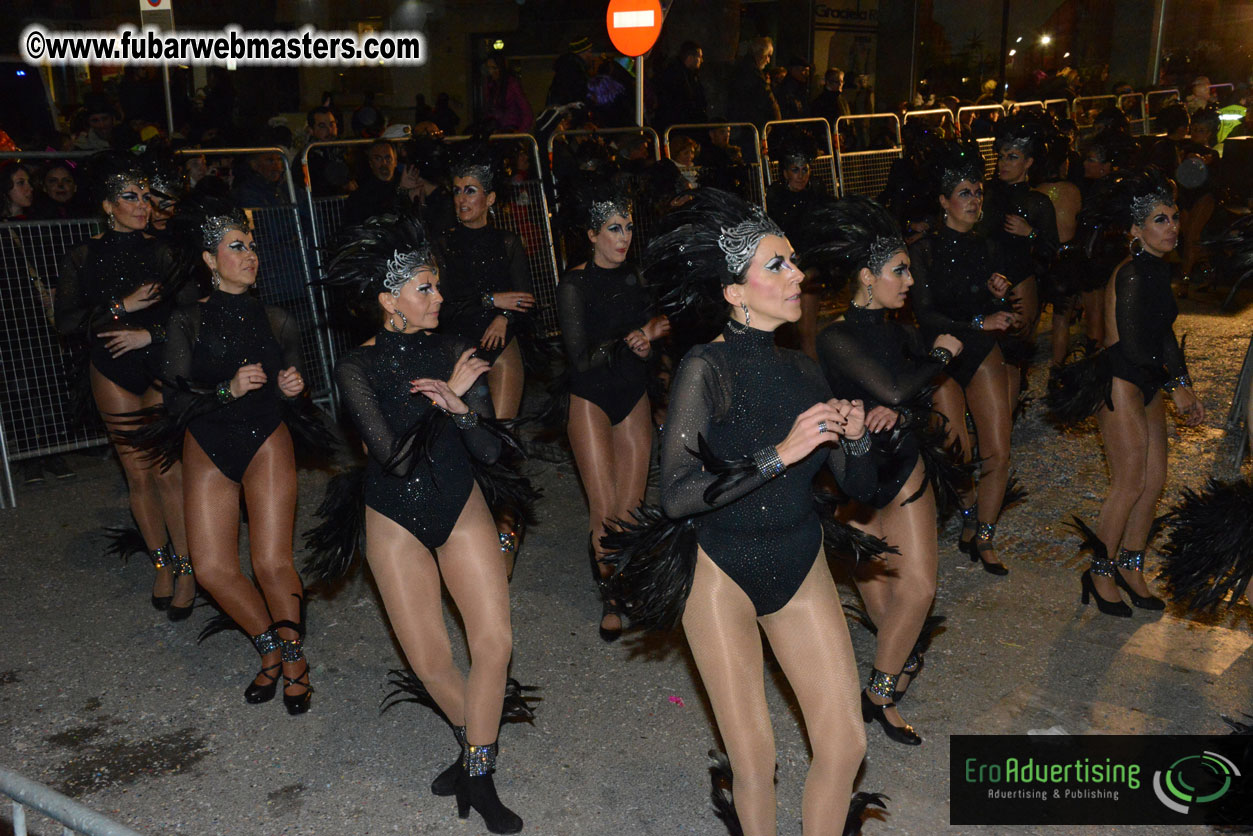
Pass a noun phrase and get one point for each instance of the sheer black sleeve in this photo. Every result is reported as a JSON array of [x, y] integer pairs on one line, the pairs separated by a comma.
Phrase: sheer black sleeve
[[519, 267], [385, 446], [857, 475], [74, 309], [842, 355], [1042, 217], [481, 442], [1138, 321], [287, 332], [582, 349], [696, 396], [182, 329], [927, 296]]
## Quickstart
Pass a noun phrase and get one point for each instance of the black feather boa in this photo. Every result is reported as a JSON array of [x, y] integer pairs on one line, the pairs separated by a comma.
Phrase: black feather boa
[[406, 687], [1078, 389], [1208, 554]]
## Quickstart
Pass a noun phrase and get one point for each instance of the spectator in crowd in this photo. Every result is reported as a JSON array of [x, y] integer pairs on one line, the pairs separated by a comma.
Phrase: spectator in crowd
[[444, 116], [101, 120], [680, 94], [861, 96], [749, 94], [505, 105], [60, 198], [19, 191], [328, 172], [570, 72], [425, 182], [684, 151], [720, 151], [1064, 85], [378, 193], [635, 153], [257, 181], [1199, 96], [792, 93], [987, 94], [830, 103], [367, 121], [611, 102]]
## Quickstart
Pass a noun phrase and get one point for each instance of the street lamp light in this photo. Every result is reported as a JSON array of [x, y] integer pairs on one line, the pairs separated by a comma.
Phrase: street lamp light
[[1045, 40]]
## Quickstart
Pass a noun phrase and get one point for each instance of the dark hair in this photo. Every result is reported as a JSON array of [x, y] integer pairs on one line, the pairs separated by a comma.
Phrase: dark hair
[[1172, 118], [474, 159], [1056, 154], [1110, 146], [317, 110], [688, 49], [1207, 117], [8, 173], [957, 161]]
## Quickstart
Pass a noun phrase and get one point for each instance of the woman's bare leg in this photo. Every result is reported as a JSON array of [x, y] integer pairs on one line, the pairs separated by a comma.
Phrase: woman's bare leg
[[950, 401], [591, 440], [1125, 433], [505, 381], [991, 412], [632, 444], [1140, 520]]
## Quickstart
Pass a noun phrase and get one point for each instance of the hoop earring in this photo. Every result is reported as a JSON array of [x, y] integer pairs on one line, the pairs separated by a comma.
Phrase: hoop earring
[[215, 279], [748, 320], [404, 323], [1135, 245]]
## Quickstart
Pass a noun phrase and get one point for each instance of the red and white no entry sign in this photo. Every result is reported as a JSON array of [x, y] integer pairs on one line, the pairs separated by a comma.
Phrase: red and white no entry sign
[[633, 25]]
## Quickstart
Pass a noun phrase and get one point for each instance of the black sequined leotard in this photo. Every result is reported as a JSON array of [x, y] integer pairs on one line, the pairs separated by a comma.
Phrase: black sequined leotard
[[597, 308], [479, 262], [106, 269], [1147, 352], [951, 271], [882, 362], [743, 395], [425, 495], [1024, 256], [208, 343]]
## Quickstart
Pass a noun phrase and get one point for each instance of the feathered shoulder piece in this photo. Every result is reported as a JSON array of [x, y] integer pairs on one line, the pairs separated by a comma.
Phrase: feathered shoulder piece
[[380, 255], [1236, 245], [839, 237], [705, 245], [204, 217]]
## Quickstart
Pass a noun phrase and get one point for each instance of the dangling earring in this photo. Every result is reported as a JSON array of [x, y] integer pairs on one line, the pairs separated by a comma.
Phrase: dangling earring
[[215, 279], [748, 320], [1135, 245], [112, 223], [404, 323], [869, 294]]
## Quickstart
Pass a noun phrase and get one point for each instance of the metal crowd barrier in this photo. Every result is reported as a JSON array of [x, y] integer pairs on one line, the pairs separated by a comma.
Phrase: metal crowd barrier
[[938, 118], [1020, 107], [754, 189], [823, 167], [1132, 106], [1216, 89], [1085, 109], [1154, 102], [967, 115], [286, 274], [866, 172], [645, 215], [74, 817], [1059, 108]]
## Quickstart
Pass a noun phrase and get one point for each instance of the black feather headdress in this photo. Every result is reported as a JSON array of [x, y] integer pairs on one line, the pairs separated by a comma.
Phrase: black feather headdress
[[474, 159], [706, 245], [590, 199], [166, 178], [1136, 195], [840, 237], [956, 161], [110, 172], [203, 219], [380, 255], [1024, 132]]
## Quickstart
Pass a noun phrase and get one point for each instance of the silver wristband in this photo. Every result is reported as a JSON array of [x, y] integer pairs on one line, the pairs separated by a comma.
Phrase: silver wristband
[[942, 354], [768, 462], [856, 446], [465, 420]]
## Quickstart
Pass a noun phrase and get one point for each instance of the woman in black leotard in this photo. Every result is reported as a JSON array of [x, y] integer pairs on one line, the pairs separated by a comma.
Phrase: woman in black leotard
[[1143, 357], [959, 289], [115, 292], [869, 356], [421, 497], [487, 287], [229, 364], [765, 423], [603, 308]]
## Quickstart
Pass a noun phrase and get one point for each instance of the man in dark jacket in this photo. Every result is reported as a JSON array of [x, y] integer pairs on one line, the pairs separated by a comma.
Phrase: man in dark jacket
[[379, 193], [749, 96], [680, 94], [830, 103], [792, 94], [570, 72]]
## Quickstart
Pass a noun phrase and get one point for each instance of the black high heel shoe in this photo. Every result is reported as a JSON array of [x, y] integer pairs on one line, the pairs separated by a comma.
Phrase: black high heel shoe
[[160, 558], [181, 568], [913, 667], [475, 789], [445, 783], [1118, 608], [871, 710], [293, 651], [986, 532], [266, 643], [1144, 602], [1133, 561], [608, 604]]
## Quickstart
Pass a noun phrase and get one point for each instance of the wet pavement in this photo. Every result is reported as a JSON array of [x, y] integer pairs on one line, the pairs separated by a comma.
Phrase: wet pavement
[[104, 699]]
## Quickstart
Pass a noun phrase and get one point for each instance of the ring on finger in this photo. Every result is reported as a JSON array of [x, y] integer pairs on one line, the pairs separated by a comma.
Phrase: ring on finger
[[822, 426]]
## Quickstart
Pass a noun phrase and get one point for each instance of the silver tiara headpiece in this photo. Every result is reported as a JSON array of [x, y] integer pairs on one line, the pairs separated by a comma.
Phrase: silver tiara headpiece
[[739, 242], [402, 266], [882, 250], [1143, 205], [482, 173], [1021, 144], [115, 184], [214, 228], [603, 210]]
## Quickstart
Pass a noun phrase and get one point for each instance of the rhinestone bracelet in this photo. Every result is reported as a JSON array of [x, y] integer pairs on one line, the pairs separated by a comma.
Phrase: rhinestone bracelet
[[117, 308], [942, 354], [465, 420], [856, 446], [488, 301], [977, 321], [223, 392], [1181, 381], [768, 462]]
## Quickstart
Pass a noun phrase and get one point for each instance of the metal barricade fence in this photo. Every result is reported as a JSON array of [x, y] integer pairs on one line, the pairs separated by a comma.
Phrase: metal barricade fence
[[1154, 102], [1085, 109], [645, 215], [74, 817], [285, 274], [823, 168], [1132, 106], [1060, 108], [753, 186], [1027, 107], [939, 119], [866, 172], [967, 117], [1216, 91]]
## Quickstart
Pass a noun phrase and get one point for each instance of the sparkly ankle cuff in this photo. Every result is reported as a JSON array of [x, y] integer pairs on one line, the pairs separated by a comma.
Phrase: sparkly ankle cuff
[[293, 649], [480, 760], [266, 642], [986, 532], [160, 557], [182, 565], [1104, 568], [882, 684], [1129, 560]]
